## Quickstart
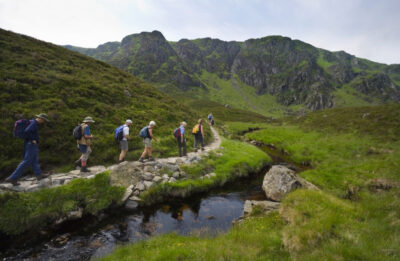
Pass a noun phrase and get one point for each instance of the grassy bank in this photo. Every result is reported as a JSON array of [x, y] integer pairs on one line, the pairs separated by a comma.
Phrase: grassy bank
[[355, 216], [257, 238], [238, 159], [22, 212]]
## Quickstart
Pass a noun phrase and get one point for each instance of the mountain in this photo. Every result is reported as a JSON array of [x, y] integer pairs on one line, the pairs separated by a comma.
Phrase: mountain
[[269, 75], [36, 77]]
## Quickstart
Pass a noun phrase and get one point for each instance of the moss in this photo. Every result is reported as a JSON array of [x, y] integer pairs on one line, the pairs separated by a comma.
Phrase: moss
[[22, 212]]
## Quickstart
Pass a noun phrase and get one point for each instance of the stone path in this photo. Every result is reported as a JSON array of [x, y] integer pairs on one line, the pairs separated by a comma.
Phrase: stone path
[[133, 175]]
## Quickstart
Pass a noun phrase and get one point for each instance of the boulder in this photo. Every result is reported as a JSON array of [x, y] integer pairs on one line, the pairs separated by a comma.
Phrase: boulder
[[131, 204], [128, 193], [76, 214], [148, 184], [157, 179], [148, 169], [266, 206], [279, 181], [140, 186], [172, 179], [176, 175], [147, 176]]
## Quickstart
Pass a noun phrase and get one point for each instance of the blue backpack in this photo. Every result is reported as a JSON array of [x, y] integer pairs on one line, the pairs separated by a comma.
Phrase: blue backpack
[[144, 133], [19, 128], [119, 133]]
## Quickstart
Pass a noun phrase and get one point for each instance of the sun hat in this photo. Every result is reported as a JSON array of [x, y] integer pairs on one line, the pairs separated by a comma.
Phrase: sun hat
[[128, 121], [43, 116], [152, 123], [88, 119]]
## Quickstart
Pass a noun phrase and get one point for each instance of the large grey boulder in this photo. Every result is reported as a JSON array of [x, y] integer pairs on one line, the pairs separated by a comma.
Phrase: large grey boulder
[[279, 181]]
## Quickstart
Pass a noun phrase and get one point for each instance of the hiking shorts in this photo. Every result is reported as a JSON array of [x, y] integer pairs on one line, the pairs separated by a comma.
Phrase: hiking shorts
[[147, 142], [85, 150], [123, 144]]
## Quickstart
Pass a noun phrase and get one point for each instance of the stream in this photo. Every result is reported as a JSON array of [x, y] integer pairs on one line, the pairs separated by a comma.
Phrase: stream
[[206, 214]]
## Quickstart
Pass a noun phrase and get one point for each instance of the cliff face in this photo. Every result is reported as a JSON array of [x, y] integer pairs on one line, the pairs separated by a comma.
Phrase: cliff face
[[293, 72]]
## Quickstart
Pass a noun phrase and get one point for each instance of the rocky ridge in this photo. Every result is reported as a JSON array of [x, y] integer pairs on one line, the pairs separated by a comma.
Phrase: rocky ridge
[[292, 71]]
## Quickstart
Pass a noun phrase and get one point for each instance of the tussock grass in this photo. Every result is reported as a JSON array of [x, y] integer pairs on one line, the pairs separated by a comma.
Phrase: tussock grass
[[257, 238], [22, 212]]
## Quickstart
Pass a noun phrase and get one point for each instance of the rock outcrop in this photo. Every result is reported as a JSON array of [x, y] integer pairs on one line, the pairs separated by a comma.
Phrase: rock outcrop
[[280, 180]]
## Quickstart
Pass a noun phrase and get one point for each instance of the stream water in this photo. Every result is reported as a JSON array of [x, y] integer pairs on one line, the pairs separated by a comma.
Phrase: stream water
[[202, 215]]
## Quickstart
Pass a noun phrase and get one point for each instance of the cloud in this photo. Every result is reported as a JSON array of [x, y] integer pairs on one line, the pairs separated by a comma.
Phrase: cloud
[[366, 28]]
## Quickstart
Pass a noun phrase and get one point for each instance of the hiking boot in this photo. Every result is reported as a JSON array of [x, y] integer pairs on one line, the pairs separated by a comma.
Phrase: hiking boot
[[202, 149], [195, 150], [14, 182], [151, 159], [78, 163], [141, 160], [119, 161], [40, 177], [84, 169]]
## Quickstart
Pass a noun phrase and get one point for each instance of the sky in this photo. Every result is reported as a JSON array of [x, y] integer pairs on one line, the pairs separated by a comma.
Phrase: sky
[[365, 28]]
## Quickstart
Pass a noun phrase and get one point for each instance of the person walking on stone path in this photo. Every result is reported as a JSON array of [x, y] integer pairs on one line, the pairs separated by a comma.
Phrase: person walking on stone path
[[179, 133], [210, 119], [84, 144], [198, 133], [123, 144], [147, 134], [31, 150]]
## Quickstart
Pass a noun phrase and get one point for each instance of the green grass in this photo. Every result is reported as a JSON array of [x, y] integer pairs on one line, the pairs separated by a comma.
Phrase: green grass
[[22, 212], [347, 96], [324, 63], [41, 77], [238, 160], [346, 220], [257, 238]]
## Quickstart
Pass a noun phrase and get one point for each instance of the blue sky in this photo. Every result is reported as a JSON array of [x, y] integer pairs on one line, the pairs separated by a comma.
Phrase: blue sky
[[368, 29]]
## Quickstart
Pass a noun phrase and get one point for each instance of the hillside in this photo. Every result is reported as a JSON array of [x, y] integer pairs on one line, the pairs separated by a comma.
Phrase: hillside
[[271, 75], [36, 77]]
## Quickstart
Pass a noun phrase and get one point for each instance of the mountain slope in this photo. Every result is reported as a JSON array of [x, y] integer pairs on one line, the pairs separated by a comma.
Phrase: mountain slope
[[36, 77], [269, 75]]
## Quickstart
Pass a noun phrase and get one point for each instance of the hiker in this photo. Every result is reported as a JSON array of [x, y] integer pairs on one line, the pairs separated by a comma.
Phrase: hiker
[[210, 119], [30, 134], [179, 133], [84, 144], [123, 143], [198, 135], [147, 134]]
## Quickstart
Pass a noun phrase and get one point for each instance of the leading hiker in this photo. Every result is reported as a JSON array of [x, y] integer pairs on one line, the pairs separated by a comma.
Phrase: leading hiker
[[31, 149]]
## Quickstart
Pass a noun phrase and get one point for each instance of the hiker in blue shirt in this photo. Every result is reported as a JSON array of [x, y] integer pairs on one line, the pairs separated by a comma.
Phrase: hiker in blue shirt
[[210, 119], [31, 150], [181, 139]]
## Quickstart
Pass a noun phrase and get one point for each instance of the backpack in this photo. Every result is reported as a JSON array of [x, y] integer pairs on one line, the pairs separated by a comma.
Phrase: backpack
[[77, 132], [195, 129], [144, 133], [119, 133], [177, 132], [19, 128]]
